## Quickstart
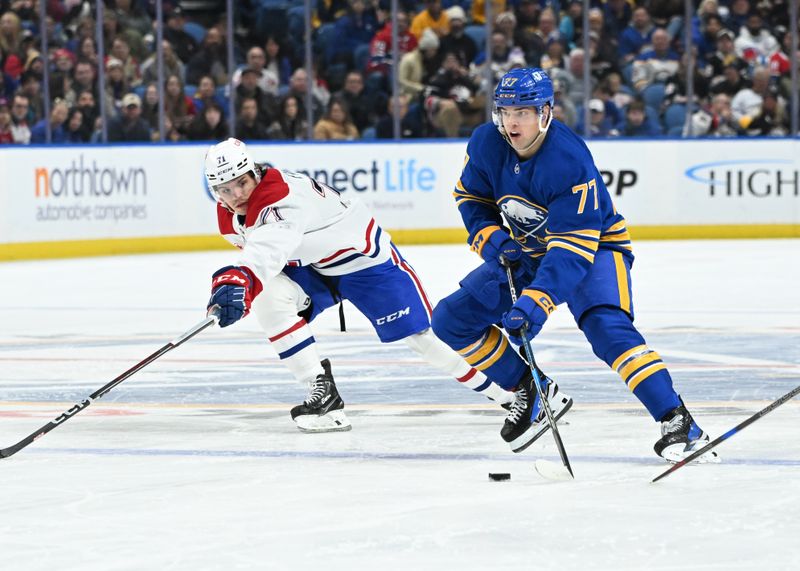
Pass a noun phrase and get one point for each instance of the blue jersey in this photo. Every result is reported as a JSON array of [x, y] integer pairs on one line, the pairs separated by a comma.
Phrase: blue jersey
[[555, 203]]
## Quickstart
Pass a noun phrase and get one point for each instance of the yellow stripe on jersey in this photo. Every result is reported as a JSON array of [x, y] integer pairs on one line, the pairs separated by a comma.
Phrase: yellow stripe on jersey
[[622, 282], [495, 356], [627, 355], [590, 244], [585, 233], [541, 299], [481, 237], [574, 249], [616, 227]]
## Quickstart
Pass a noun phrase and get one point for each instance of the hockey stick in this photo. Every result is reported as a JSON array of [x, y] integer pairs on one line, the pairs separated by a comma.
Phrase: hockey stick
[[212, 319], [763, 412], [546, 469]]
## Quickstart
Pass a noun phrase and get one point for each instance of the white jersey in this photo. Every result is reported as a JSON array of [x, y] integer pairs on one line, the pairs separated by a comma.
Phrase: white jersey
[[292, 220]]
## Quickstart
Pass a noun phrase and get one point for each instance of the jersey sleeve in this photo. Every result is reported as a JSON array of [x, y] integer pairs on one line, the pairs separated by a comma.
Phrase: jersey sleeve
[[573, 233], [474, 197], [276, 220]]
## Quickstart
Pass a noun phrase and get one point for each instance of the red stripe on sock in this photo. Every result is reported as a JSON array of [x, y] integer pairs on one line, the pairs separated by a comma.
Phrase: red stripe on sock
[[293, 328], [468, 376]]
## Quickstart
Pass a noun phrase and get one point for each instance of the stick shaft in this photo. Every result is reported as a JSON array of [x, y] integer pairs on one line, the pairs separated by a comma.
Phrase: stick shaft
[[99, 393], [745, 423], [537, 379]]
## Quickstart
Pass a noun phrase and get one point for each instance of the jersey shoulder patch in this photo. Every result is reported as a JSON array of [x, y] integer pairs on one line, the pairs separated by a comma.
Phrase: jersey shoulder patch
[[270, 190]]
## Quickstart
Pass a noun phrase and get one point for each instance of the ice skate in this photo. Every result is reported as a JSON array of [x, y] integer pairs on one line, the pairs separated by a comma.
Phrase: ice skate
[[680, 436], [526, 420], [323, 409]]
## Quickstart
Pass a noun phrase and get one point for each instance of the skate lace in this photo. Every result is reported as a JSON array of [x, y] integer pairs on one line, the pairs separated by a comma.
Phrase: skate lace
[[518, 406], [317, 391]]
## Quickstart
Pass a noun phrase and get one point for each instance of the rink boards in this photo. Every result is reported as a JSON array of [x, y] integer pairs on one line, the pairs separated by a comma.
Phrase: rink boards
[[94, 200]]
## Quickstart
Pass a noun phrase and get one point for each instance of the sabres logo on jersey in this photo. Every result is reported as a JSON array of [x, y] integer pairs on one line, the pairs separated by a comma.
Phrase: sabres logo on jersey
[[526, 219]]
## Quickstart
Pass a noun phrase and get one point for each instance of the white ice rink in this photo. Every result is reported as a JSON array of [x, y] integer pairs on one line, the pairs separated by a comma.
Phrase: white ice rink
[[194, 463]]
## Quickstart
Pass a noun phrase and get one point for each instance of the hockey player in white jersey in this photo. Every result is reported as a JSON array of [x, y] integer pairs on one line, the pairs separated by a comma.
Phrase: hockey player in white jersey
[[304, 248]]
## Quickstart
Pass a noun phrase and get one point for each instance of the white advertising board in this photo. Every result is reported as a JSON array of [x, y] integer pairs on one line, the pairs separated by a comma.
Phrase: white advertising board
[[52, 194]]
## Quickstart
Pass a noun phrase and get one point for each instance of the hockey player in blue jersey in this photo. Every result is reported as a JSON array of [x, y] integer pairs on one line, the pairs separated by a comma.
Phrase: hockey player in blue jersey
[[530, 192]]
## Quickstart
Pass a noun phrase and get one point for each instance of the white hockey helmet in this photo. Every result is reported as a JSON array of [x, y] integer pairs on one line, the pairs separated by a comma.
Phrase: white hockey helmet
[[227, 161]]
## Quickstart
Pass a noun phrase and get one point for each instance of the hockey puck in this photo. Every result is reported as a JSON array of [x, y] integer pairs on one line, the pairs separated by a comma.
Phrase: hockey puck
[[499, 476]]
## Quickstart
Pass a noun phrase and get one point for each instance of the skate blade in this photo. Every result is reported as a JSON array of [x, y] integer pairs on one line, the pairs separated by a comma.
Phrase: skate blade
[[531, 435], [335, 421], [552, 471], [676, 453]]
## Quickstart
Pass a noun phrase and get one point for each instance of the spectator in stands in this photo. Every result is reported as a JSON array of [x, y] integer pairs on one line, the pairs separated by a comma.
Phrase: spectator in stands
[[31, 87], [87, 50], [121, 50], [554, 56], [411, 124], [506, 23], [746, 104], [380, 47], [129, 126], [249, 88], [725, 54], [603, 56], [526, 32], [150, 107], [637, 35], [418, 65], [184, 44], [599, 125], [73, 127], [502, 58], [569, 114], [10, 48], [755, 43], [290, 125], [276, 61], [20, 130], [479, 10], [706, 36], [172, 65], [571, 25], [675, 88], [456, 41], [177, 105], [635, 123], [617, 15], [116, 82], [717, 120], [298, 87], [134, 44], [433, 18], [360, 103], [731, 81], [211, 59], [85, 78], [656, 64], [249, 127], [771, 120], [620, 94], [61, 74], [450, 98], [737, 15], [6, 136], [207, 91], [336, 124], [267, 80], [208, 125], [352, 31], [87, 106], [667, 14], [131, 17]]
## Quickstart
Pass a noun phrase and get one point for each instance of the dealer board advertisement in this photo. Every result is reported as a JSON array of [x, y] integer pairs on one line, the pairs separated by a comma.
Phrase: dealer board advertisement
[[51, 194]]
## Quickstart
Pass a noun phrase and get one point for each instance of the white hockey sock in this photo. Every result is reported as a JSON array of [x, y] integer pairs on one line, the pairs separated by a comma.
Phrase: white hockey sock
[[435, 352]]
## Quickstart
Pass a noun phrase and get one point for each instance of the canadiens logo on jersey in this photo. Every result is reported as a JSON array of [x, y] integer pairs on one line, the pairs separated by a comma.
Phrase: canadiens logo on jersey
[[527, 220]]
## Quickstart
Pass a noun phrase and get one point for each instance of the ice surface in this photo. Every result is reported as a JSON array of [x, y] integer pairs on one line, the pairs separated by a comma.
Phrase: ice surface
[[194, 463]]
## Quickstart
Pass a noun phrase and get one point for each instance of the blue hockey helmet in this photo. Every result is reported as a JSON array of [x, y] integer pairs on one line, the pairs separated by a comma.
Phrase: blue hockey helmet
[[524, 87]]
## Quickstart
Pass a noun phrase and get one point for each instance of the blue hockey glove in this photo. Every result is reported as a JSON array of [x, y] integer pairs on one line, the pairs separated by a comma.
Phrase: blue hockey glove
[[527, 312], [499, 243], [233, 289]]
